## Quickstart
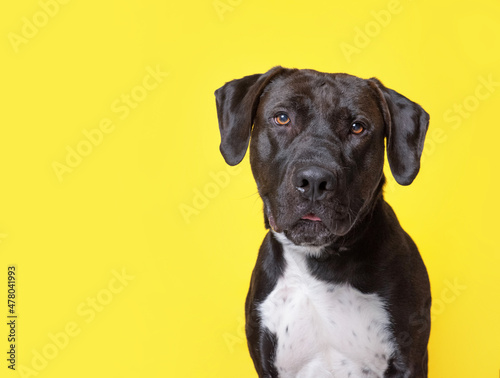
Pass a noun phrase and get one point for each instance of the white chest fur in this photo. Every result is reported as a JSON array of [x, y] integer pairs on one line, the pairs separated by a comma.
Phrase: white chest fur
[[324, 330]]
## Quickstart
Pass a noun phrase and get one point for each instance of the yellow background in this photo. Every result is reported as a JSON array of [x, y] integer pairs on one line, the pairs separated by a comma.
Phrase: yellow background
[[179, 311]]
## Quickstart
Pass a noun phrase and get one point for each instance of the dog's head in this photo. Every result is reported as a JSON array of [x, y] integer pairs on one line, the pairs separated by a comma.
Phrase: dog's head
[[317, 146]]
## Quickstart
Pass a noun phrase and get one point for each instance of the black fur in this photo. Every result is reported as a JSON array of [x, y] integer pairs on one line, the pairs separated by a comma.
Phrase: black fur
[[365, 245]]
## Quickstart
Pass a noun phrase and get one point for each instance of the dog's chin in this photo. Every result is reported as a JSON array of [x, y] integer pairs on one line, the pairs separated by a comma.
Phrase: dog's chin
[[316, 233]]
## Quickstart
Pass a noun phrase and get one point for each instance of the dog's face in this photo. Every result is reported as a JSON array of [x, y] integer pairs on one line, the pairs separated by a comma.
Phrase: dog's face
[[317, 146], [314, 139]]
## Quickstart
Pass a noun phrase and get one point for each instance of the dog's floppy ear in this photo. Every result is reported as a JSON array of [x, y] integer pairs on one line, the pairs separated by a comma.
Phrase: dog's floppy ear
[[237, 103], [406, 125]]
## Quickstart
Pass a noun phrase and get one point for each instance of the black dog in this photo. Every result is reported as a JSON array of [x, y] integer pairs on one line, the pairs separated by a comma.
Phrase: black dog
[[339, 288]]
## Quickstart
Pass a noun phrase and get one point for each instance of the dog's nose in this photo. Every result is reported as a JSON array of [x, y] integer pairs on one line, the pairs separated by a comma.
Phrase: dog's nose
[[314, 182]]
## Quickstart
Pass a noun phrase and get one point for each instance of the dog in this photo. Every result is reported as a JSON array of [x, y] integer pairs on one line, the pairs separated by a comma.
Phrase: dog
[[339, 289]]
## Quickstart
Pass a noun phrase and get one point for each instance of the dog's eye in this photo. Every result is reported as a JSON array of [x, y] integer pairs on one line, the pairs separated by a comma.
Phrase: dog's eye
[[357, 128], [282, 119]]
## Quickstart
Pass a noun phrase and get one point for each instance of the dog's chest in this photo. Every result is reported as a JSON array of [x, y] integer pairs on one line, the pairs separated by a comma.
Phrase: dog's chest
[[325, 330]]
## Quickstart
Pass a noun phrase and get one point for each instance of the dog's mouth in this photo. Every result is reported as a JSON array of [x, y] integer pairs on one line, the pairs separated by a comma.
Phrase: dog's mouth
[[311, 217], [311, 224], [316, 229]]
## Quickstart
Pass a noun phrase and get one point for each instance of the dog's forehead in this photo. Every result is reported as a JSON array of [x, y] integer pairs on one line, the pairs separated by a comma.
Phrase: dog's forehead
[[309, 86]]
